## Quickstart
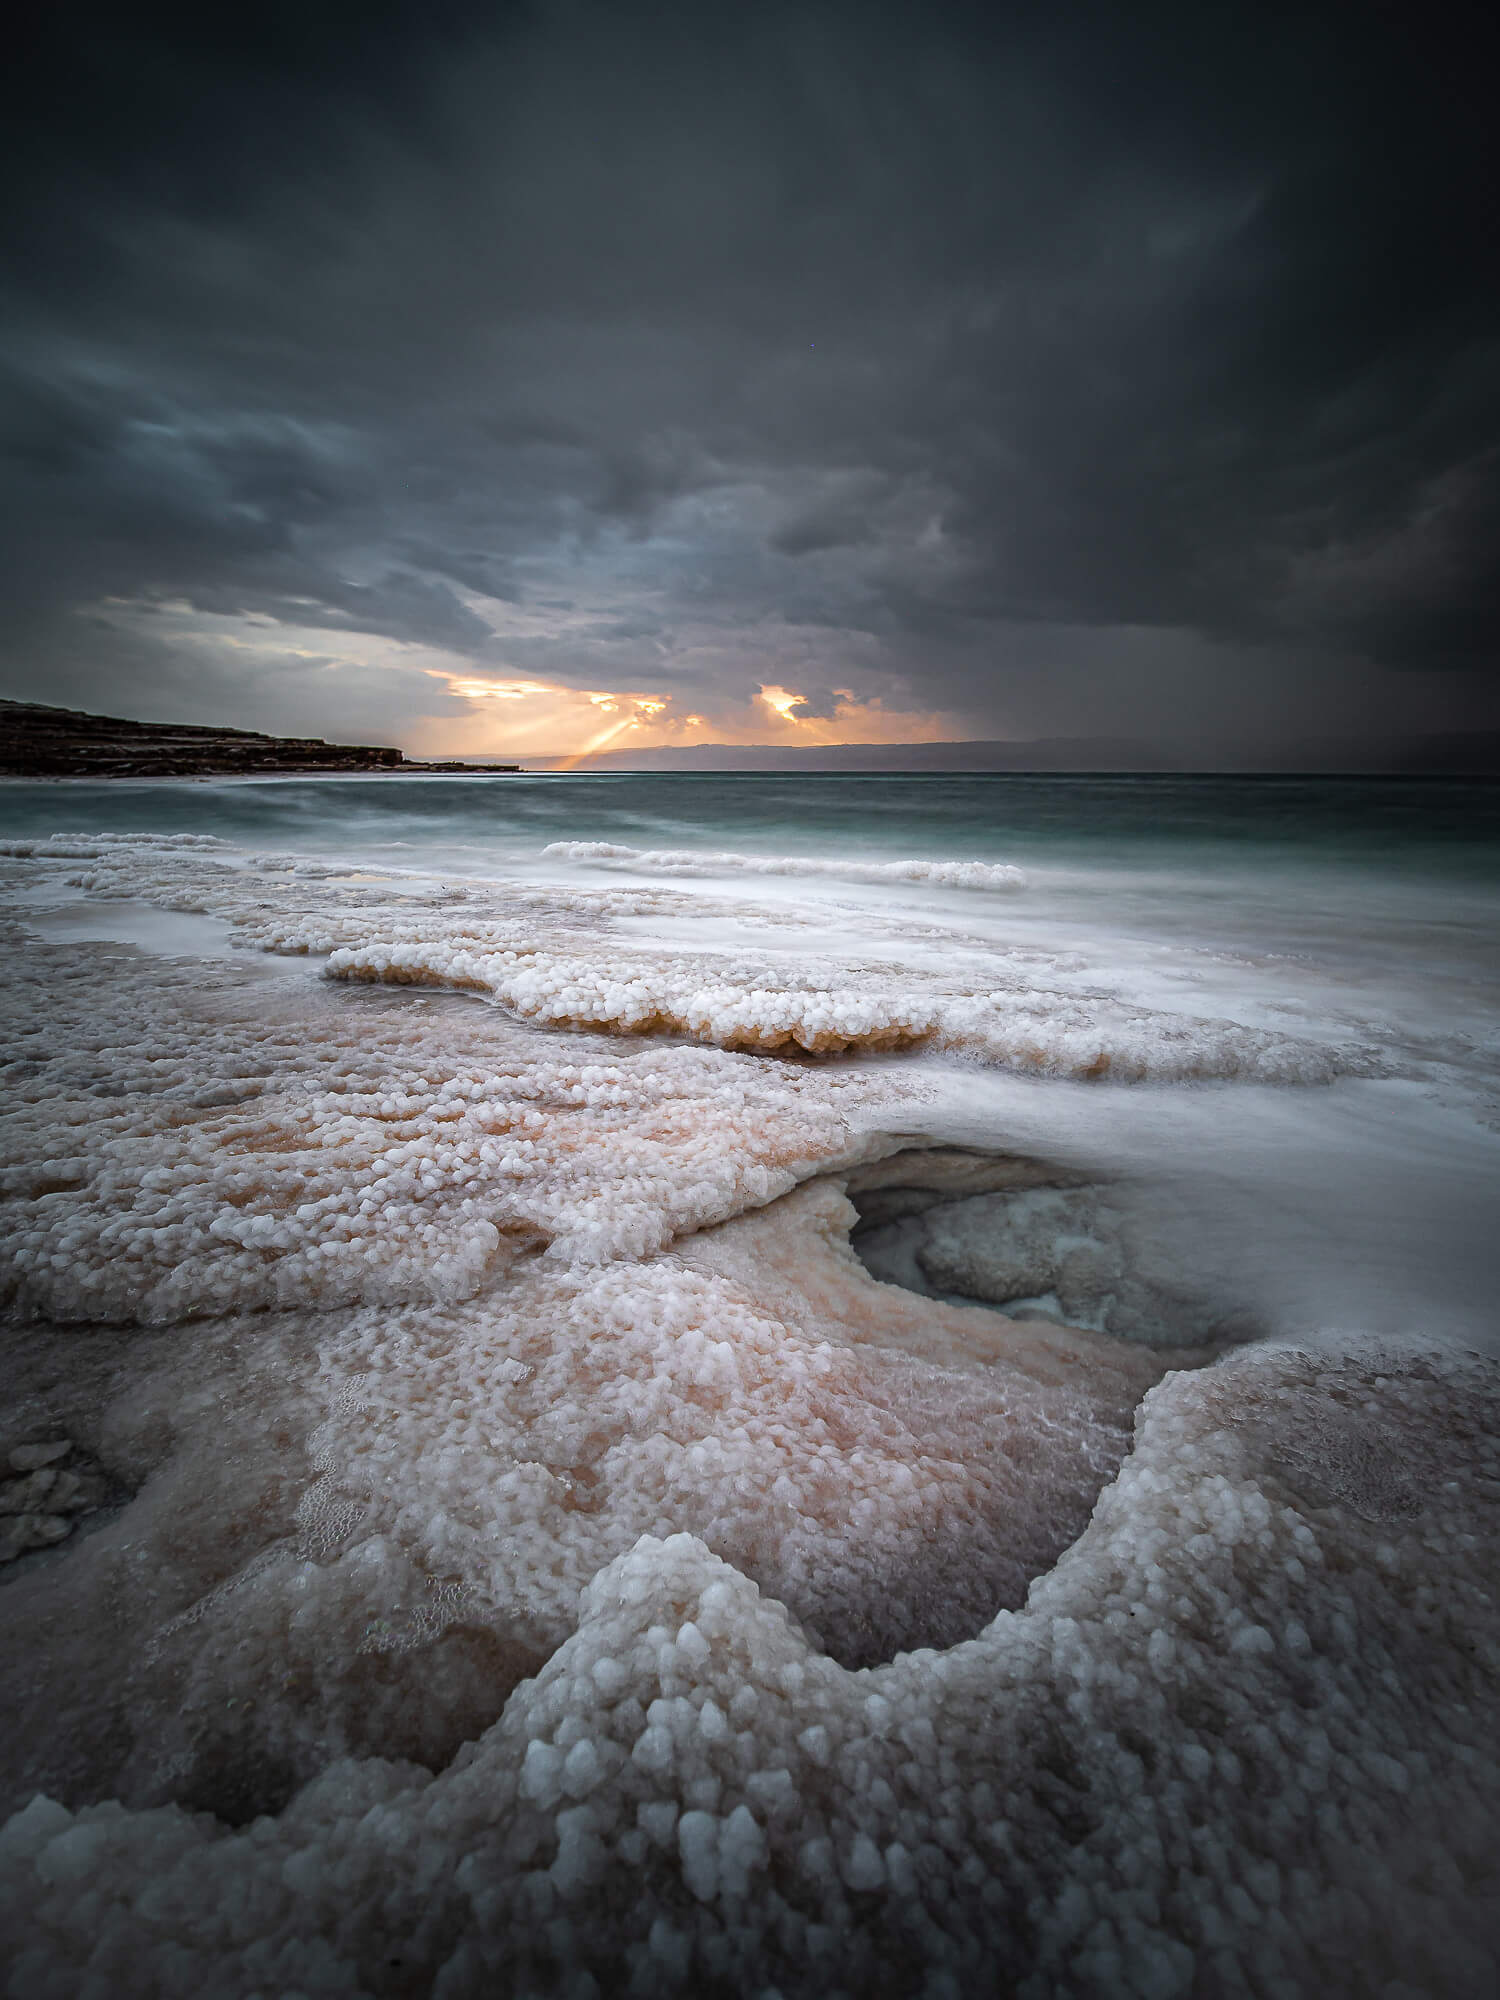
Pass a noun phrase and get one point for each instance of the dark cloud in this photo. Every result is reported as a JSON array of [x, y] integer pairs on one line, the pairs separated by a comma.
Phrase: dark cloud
[[819, 705], [983, 360]]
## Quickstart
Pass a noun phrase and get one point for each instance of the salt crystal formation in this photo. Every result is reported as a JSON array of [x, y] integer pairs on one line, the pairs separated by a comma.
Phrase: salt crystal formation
[[695, 861], [155, 1173], [1212, 1754], [1054, 1035], [548, 956], [556, 1565]]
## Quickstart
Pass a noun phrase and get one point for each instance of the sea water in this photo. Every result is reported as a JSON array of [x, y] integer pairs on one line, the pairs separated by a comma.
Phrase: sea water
[[748, 1383]]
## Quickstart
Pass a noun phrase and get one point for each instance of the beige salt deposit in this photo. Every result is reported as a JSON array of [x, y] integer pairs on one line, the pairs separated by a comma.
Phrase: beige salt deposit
[[531, 1553]]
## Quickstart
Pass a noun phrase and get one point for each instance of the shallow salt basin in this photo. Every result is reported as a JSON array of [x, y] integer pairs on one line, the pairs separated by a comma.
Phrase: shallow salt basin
[[542, 1557], [166, 933]]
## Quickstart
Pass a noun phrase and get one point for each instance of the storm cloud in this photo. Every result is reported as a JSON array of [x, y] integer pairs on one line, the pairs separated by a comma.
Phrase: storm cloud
[[1023, 369]]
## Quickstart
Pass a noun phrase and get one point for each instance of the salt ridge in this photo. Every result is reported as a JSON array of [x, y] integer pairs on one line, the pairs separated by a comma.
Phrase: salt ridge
[[1051, 1034], [1210, 1753], [547, 955], [984, 875]]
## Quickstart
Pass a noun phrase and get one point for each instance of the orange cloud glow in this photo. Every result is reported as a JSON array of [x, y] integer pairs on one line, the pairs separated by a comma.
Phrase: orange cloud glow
[[545, 719], [852, 721], [566, 726]]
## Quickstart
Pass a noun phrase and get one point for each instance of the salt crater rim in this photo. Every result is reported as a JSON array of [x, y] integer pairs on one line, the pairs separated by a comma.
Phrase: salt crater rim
[[487, 1395]]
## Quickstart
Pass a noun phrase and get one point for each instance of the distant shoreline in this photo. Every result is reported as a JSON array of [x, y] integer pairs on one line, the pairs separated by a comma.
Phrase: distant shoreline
[[1373, 755], [37, 741], [61, 744]]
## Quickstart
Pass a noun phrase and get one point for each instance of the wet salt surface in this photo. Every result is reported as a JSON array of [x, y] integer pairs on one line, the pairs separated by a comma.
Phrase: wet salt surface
[[167, 933], [557, 1565]]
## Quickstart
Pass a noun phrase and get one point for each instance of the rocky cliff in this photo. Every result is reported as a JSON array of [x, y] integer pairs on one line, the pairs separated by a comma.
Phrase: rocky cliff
[[41, 742]]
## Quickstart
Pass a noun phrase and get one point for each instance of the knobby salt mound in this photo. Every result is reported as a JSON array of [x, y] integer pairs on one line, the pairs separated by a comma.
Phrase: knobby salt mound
[[1214, 1753], [542, 1559]]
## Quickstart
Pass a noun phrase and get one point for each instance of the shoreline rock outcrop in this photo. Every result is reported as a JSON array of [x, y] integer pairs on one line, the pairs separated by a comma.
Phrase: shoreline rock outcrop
[[41, 742]]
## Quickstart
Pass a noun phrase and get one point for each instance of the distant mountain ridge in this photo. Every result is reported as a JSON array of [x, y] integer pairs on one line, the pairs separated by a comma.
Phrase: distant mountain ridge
[[1436, 755], [41, 742]]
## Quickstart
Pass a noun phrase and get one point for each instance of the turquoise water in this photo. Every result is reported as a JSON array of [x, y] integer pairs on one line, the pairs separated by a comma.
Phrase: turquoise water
[[1357, 874], [1412, 826]]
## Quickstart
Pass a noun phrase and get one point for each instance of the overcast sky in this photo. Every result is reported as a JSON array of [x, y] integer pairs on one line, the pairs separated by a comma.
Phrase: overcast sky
[[488, 378]]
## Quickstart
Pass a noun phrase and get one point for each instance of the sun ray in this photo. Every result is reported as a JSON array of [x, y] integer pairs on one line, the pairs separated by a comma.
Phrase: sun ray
[[596, 743]]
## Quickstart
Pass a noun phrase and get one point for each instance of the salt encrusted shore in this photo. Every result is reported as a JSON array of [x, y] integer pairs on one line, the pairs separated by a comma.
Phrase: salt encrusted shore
[[556, 1565]]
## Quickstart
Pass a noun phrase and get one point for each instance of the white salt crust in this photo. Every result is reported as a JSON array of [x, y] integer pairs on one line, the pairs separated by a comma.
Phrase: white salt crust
[[548, 956], [166, 1158], [450, 1479], [1238, 1741], [1051, 1034], [985, 875], [444, 1648]]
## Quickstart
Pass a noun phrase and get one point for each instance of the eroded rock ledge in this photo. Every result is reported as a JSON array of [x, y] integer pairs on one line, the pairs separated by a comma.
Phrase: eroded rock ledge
[[41, 742]]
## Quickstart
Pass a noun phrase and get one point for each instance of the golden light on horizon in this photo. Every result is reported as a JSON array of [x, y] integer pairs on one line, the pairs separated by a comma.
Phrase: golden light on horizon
[[566, 726], [545, 718]]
